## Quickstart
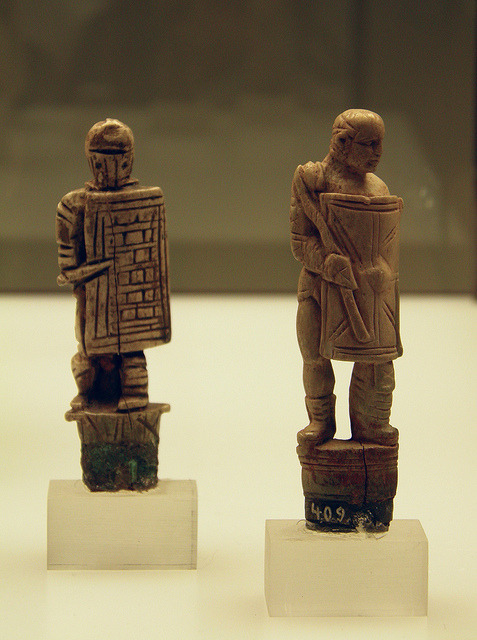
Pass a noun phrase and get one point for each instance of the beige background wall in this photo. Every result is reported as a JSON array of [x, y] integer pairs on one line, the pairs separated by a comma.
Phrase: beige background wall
[[225, 99]]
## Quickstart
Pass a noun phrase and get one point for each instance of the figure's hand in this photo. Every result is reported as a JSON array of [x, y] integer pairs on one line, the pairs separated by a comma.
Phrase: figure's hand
[[62, 279], [337, 269], [380, 276]]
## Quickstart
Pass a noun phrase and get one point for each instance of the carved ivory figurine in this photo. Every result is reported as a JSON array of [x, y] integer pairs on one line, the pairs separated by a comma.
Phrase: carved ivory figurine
[[112, 248], [345, 233]]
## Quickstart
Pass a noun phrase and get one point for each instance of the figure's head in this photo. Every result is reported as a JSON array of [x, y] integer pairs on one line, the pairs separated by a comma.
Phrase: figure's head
[[109, 148], [356, 140]]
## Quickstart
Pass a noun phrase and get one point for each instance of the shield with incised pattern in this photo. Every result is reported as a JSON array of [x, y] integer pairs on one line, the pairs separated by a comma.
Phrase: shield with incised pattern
[[127, 301], [362, 324]]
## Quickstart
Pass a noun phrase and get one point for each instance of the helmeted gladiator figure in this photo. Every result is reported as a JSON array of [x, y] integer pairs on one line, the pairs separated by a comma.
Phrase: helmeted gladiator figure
[[112, 248]]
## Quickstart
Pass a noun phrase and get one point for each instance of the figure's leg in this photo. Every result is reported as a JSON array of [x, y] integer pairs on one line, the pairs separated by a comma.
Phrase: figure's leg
[[79, 293], [134, 381], [318, 376], [84, 368], [370, 398], [84, 372]]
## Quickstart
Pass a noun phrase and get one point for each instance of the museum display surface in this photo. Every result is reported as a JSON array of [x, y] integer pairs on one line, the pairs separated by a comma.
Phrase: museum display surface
[[227, 590], [345, 233], [112, 247]]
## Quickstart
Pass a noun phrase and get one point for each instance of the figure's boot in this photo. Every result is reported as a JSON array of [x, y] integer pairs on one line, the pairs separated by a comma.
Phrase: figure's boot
[[365, 429], [371, 393], [134, 382], [322, 427], [84, 372]]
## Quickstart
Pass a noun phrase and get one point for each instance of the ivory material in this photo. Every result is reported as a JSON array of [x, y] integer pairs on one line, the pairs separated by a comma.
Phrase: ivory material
[[308, 573], [112, 248], [155, 529], [344, 228]]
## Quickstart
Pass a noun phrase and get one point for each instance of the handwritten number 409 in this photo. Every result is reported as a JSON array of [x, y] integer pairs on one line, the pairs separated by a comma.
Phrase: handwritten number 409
[[327, 513]]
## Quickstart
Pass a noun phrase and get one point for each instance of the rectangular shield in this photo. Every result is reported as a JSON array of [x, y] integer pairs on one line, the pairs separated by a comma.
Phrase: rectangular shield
[[127, 304], [362, 324]]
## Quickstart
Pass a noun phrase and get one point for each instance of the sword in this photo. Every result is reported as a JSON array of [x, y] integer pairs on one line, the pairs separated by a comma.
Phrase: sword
[[345, 285], [82, 273], [356, 321]]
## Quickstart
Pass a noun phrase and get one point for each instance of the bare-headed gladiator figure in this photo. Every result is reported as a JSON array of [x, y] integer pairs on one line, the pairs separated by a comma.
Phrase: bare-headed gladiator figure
[[344, 227]]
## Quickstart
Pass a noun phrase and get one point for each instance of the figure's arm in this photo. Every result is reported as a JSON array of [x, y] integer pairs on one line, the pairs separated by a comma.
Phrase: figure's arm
[[311, 249], [70, 233], [306, 243]]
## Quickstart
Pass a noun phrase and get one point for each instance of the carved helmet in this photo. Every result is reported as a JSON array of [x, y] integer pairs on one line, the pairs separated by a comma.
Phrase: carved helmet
[[109, 148]]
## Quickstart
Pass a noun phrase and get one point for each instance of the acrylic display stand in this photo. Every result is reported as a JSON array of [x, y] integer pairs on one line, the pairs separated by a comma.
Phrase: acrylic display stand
[[309, 573], [155, 529]]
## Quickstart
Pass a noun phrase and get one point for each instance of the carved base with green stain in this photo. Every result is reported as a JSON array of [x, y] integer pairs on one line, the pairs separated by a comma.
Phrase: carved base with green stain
[[119, 450], [111, 467]]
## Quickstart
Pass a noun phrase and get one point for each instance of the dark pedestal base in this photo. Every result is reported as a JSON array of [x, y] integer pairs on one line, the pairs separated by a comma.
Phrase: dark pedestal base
[[336, 515], [348, 485], [119, 450]]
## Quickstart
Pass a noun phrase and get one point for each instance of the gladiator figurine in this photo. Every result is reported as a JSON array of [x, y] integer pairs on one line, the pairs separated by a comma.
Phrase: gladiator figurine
[[345, 233], [112, 248]]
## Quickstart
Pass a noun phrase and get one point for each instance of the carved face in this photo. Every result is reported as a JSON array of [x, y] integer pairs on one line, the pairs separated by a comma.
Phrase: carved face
[[111, 170], [364, 154]]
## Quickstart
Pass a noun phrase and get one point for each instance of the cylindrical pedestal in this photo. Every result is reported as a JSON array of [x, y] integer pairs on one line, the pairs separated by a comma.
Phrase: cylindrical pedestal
[[348, 485], [119, 450]]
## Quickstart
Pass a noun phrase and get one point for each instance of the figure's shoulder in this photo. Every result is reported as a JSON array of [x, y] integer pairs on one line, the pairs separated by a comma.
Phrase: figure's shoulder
[[312, 174], [376, 186], [73, 200]]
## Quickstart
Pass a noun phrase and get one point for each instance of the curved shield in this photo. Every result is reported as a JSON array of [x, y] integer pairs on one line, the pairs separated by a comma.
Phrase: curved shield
[[362, 324]]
